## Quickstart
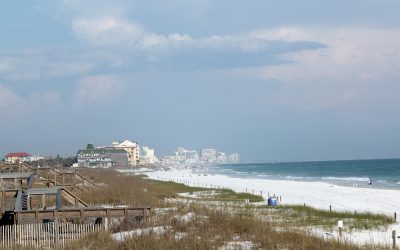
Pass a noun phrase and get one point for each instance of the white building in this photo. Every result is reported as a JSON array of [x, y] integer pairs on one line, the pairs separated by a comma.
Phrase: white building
[[209, 155], [147, 155], [234, 158], [167, 160], [186, 156], [17, 157], [222, 158]]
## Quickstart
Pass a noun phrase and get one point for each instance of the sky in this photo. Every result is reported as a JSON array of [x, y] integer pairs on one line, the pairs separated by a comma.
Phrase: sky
[[272, 80]]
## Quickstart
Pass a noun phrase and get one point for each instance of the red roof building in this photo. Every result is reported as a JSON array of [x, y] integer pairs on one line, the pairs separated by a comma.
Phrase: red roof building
[[18, 154], [17, 157]]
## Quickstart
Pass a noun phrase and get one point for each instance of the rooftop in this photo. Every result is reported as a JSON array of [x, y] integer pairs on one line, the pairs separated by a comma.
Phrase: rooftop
[[102, 151], [17, 154]]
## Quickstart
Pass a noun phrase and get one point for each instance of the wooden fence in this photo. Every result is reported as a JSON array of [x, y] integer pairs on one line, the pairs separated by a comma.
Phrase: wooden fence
[[46, 235]]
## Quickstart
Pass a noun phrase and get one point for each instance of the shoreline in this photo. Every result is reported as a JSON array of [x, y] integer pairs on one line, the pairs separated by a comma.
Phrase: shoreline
[[358, 182], [316, 194]]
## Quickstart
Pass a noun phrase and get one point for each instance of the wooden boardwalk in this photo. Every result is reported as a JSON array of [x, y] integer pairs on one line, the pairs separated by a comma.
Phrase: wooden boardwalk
[[66, 178], [36, 216], [51, 215]]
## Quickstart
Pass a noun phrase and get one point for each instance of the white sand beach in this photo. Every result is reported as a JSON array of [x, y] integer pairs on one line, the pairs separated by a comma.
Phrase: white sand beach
[[316, 194]]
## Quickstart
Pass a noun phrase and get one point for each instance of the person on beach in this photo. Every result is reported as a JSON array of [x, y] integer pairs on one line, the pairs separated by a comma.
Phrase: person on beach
[[369, 181]]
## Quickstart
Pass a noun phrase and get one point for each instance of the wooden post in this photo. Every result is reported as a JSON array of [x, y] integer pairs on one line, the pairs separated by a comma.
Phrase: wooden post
[[394, 238], [43, 201], [3, 193], [107, 219], [395, 216], [56, 235], [340, 226], [37, 217], [73, 177], [330, 208]]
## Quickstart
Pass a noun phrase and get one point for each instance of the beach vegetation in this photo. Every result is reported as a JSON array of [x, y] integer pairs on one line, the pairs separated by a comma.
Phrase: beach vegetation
[[220, 219], [230, 195], [313, 216]]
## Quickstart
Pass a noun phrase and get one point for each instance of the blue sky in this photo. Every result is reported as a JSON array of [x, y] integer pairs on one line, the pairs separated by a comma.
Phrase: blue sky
[[272, 80]]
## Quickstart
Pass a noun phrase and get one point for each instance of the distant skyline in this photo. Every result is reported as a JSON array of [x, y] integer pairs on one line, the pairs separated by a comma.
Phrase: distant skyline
[[272, 80]]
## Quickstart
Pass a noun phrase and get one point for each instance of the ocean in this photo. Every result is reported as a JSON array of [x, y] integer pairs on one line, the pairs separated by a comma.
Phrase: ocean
[[383, 173]]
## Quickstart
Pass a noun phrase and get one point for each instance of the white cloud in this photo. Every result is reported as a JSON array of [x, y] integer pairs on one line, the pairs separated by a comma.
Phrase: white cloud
[[7, 98], [17, 108], [106, 30], [33, 64], [357, 71], [97, 90], [112, 31], [367, 54]]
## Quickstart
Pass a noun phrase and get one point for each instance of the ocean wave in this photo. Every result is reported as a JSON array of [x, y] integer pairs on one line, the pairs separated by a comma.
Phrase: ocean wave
[[294, 177], [398, 182], [360, 179]]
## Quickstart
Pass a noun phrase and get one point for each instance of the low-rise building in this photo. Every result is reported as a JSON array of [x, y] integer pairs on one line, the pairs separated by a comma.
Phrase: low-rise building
[[131, 148], [147, 156], [102, 157], [167, 160], [17, 157], [234, 158]]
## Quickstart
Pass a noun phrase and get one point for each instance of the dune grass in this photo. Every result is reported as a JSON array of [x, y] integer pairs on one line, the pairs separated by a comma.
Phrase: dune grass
[[213, 230], [307, 210], [277, 227], [329, 218], [230, 195], [173, 187]]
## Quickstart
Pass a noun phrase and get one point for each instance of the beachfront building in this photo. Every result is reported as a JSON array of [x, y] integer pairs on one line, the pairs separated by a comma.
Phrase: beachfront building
[[234, 158], [18, 157], [147, 156], [131, 148], [102, 157], [221, 157], [167, 160], [209, 155], [183, 155]]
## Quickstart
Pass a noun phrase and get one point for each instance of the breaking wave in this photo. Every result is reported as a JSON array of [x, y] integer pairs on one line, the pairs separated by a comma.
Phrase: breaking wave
[[360, 179]]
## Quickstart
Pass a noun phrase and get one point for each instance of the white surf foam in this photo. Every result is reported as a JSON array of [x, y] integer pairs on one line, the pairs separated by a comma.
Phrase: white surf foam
[[360, 179]]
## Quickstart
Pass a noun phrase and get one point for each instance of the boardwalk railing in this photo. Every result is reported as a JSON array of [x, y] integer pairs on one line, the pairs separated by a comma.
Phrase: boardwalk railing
[[47, 235]]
